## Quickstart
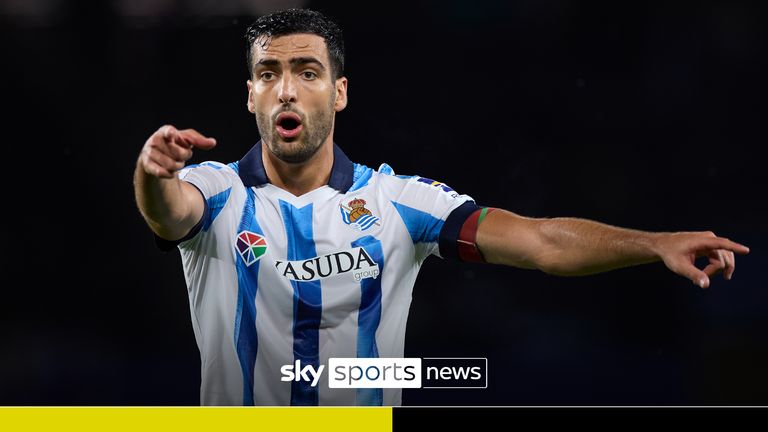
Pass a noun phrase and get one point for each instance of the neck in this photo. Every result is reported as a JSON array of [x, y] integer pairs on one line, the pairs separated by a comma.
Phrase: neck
[[300, 178]]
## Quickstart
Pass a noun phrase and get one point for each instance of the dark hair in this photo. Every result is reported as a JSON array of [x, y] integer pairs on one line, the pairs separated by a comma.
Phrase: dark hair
[[293, 21]]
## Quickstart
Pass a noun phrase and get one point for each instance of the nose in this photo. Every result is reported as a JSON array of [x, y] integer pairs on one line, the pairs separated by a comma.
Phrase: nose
[[287, 90]]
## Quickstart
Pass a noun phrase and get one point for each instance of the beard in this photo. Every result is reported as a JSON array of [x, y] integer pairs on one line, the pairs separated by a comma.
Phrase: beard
[[315, 130]]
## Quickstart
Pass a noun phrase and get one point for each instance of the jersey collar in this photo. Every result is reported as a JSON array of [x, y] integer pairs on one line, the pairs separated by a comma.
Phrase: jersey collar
[[252, 172]]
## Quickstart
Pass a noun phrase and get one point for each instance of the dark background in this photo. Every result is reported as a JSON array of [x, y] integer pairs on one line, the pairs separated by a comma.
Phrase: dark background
[[648, 115]]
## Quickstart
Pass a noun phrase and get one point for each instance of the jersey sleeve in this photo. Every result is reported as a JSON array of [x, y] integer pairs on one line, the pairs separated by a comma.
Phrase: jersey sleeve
[[433, 214], [214, 182]]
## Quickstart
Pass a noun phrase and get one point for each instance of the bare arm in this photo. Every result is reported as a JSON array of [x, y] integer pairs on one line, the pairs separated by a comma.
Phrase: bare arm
[[575, 247], [170, 206]]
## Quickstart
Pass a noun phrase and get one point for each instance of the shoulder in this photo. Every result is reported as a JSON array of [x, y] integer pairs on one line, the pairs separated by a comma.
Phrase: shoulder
[[385, 179], [210, 167], [211, 171], [211, 177], [418, 183], [383, 176]]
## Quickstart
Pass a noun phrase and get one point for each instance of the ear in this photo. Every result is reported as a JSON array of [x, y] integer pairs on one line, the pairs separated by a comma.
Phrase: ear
[[250, 99], [341, 94]]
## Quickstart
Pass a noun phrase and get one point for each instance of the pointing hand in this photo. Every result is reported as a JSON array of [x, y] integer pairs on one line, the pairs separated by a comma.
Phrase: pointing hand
[[166, 151]]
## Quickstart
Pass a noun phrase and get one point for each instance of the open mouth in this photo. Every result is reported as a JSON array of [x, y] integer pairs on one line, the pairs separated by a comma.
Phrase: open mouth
[[288, 124]]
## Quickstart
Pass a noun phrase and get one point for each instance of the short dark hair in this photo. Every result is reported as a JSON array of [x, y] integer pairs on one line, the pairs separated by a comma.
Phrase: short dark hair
[[293, 21]]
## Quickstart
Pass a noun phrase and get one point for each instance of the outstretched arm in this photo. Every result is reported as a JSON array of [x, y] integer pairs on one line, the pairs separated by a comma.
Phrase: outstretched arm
[[170, 206], [576, 247]]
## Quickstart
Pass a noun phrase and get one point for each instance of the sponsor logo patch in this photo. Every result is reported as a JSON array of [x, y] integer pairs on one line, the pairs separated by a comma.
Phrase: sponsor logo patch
[[435, 183], [251, 246], [355, 262]]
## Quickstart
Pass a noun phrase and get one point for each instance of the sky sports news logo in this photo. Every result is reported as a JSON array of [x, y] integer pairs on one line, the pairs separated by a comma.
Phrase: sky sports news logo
[[431, 372]]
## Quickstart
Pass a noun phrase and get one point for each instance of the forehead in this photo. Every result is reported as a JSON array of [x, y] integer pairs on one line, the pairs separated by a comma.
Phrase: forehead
[[290, 46]]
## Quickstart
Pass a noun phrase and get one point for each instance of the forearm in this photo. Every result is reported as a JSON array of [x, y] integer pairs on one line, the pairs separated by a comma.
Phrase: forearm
[[577, 247], [162, 203]]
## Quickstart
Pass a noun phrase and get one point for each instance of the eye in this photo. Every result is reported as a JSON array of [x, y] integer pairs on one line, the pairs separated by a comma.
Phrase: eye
[[267, 76], [309, 75]]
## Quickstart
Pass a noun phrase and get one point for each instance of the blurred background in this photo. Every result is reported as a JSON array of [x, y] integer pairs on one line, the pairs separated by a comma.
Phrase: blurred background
[[648, 115]]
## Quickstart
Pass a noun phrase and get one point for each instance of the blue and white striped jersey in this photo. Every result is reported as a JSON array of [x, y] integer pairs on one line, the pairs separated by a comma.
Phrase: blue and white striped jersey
[[274, 278]]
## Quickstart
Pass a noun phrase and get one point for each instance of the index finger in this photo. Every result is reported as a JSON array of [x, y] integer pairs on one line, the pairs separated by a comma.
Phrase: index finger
[[194, 138], [724, 243]]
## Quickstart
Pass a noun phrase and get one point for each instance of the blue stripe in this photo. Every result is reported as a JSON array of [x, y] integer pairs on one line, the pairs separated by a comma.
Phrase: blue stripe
[[386, 169], [215, 204], [369, 316], [344, 215], [235, 166], [366, 221], [213, 165], [307, 299], [422, 226], [362, 219], [246, 339], [361, 177]]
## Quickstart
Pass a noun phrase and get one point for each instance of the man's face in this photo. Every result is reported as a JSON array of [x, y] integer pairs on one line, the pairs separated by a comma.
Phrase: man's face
[[294, 96]]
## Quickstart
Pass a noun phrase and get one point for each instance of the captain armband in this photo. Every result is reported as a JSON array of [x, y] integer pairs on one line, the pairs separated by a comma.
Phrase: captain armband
[[467, 245]]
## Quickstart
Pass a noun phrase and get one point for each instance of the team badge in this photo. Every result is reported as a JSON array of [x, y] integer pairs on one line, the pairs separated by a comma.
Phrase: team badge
[[251, 246], [357, 216]]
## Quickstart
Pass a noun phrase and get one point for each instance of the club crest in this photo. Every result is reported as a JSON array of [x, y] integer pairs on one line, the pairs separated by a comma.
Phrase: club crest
[[357, 216]]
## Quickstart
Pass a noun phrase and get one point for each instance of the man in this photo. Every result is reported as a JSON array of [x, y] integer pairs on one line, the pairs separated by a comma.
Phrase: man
[[294, 255]]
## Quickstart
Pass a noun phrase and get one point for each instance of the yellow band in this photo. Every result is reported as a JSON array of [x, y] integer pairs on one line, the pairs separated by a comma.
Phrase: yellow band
[[189, 419]]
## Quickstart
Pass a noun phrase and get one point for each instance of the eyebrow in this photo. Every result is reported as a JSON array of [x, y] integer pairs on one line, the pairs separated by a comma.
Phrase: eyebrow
[[294, 61]]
